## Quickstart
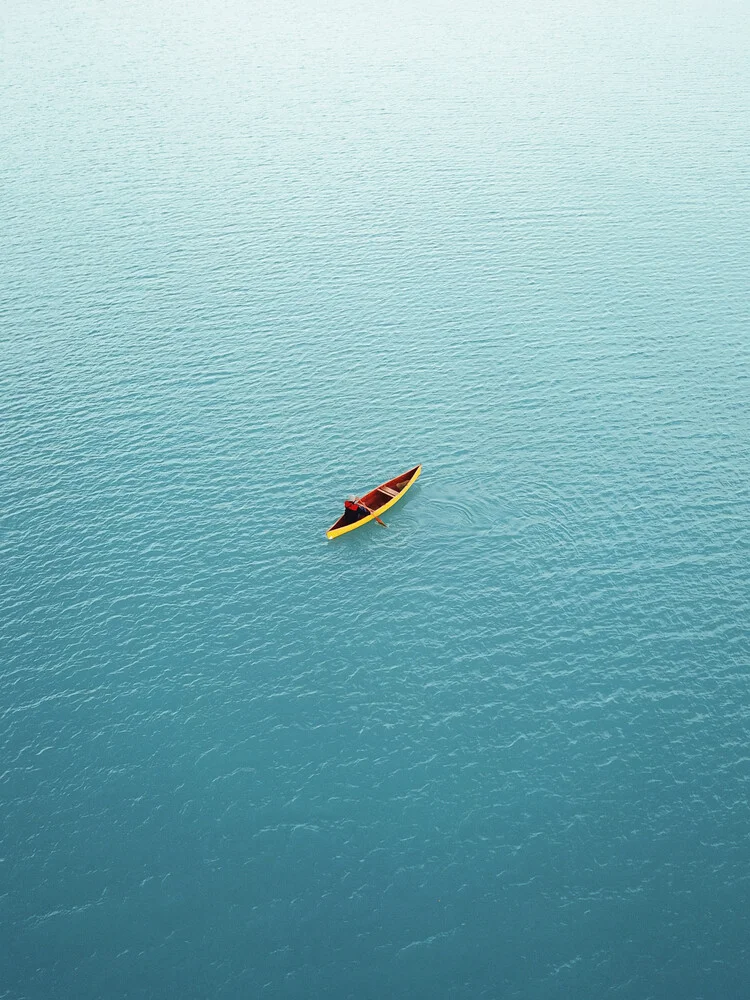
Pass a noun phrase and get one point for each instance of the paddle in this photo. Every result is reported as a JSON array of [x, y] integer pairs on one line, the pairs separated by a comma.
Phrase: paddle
[[372, 512]]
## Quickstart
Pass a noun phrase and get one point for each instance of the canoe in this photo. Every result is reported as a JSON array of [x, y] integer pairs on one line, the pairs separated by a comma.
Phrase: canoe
[[378, 500]]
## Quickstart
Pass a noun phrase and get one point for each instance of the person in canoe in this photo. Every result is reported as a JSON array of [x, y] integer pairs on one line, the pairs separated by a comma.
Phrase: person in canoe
[[355, 510]]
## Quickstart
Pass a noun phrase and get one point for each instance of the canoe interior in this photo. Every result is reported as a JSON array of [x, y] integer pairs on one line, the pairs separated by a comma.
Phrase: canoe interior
[[376, 498]]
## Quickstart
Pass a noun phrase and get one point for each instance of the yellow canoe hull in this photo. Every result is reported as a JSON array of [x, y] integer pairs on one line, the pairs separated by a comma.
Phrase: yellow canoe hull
[[405, 482]]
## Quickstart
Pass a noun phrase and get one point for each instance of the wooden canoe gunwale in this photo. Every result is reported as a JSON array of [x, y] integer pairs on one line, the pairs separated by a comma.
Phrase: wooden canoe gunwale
[[372, 500]]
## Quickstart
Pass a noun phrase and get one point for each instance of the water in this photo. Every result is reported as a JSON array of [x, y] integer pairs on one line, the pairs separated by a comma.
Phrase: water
[[254, 260]]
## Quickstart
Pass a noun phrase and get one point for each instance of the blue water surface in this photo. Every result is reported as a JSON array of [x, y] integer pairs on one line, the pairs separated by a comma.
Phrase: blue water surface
[[255, 258]]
